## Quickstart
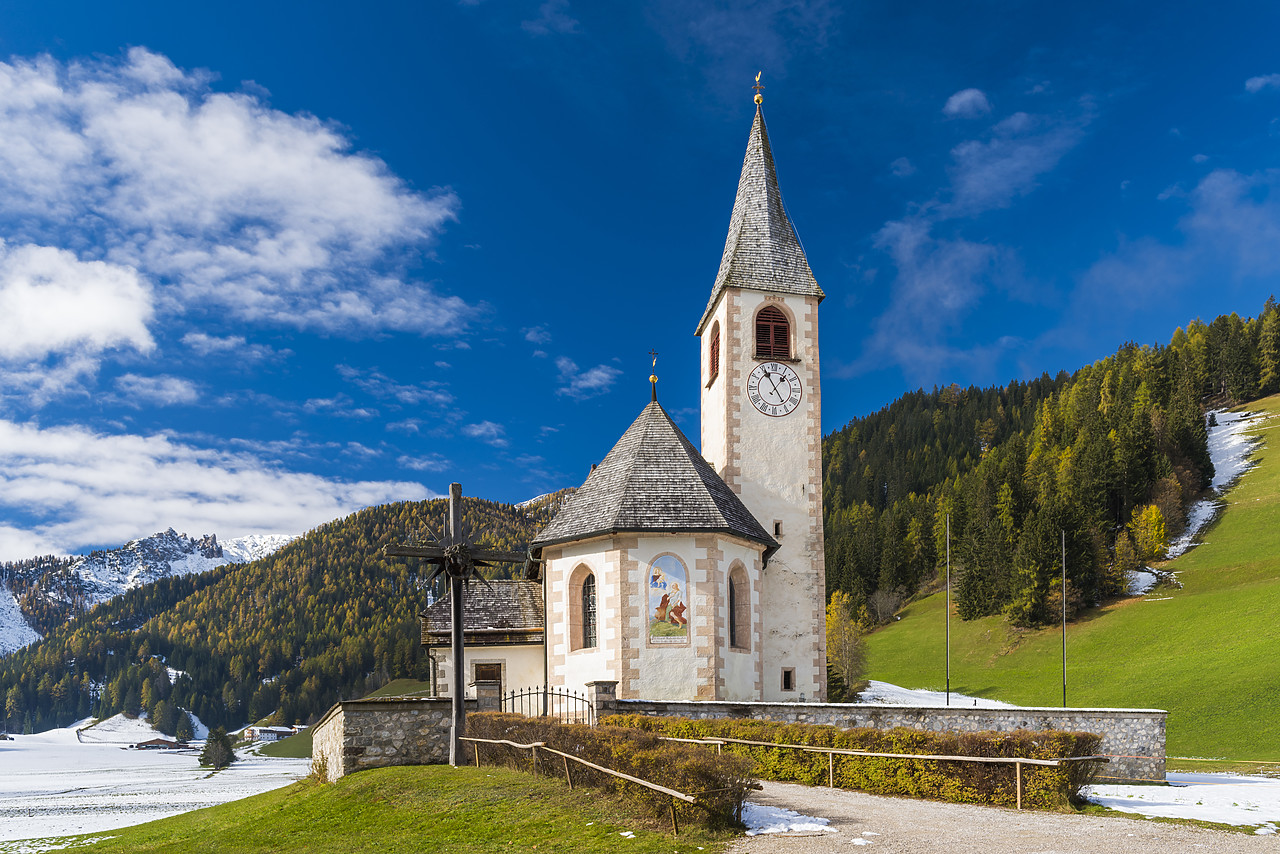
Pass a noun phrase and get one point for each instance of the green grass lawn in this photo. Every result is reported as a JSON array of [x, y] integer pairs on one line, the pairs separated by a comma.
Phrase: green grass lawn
[[1207, 652], [414, 809]]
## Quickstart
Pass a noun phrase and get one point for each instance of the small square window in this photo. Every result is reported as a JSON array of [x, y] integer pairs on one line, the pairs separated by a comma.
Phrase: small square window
[[777, 527], [788, 679]]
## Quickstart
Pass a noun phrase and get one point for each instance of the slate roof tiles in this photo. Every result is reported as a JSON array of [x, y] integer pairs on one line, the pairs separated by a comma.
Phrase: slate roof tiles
[[762, 252], [653, 480]]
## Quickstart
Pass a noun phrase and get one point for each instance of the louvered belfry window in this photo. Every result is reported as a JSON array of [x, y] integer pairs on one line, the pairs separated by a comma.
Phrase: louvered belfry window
[[773, 334], [715, 354], [589, 612]]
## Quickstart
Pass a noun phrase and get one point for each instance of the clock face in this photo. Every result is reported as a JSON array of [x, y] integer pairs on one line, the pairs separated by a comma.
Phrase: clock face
[[774, 389]]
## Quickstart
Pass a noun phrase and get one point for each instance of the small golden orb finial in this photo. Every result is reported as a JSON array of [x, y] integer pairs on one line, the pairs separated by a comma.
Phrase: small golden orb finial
[[653, 377], [758, 87]]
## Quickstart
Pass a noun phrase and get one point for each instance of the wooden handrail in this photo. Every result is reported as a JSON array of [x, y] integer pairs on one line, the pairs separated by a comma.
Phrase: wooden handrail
[[832, 752], [672, 793], [845, 751]]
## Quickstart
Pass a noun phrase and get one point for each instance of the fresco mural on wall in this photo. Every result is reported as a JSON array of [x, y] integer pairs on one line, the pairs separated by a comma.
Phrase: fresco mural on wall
[[668, 601]]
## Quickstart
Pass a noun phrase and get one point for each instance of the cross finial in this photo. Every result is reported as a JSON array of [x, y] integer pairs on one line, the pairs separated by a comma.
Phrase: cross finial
[[653, 377], [758, 87]]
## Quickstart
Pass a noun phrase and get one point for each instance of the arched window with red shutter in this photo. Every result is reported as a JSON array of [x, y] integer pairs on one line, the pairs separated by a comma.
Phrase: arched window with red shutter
[[713, 367], [773, 334]]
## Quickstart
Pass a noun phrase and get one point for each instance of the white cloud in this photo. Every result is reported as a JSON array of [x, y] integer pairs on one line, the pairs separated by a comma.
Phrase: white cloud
[[902, 167], [583, 384], [156, 391], [967, 104], [553, 17], [487, 431], [82, 489], [203, 344], [427, 462], [537, 335], [215, 198], [938, 285], [991, 173], [379, 385], [340, 405], [53, 303], [1266, 81]]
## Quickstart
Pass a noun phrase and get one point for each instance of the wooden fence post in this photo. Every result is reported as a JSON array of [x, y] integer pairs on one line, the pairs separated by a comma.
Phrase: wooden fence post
[[675, 827], [1018, 769], [477, 747], [567, 775], [535, 760], [831, 770]]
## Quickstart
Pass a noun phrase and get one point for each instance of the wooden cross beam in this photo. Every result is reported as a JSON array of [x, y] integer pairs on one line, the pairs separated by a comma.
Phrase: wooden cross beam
[[457, 561]]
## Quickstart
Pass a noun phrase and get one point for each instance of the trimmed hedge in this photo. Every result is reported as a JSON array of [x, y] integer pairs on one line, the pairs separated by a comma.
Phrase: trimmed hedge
[[1043, 786], [720, 782]]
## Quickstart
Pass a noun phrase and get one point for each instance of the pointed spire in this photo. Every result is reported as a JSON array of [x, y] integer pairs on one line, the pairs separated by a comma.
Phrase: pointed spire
[[762, 252]]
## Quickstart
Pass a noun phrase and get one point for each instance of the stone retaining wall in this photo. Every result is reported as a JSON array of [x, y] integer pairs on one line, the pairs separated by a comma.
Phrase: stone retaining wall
[[374, 733], [1133, 738]]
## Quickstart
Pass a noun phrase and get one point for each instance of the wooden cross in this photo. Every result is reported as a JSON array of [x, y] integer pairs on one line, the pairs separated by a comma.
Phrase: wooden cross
[[457, 559]]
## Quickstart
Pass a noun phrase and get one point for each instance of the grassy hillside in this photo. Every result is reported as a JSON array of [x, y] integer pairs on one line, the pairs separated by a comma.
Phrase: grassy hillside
[[1206, 653], [412, 809], [286, 636]]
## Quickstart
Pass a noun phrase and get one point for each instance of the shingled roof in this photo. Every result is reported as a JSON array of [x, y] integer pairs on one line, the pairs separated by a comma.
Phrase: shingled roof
[[653, 480], [504, 611], [762, 252]]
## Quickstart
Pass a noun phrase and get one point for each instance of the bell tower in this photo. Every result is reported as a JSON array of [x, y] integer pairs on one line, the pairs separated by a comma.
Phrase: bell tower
[[762, 415]]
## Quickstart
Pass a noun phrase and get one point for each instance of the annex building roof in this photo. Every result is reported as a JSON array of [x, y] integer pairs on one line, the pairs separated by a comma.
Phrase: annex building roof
[[653, 480], [762, 252], [502, 611]]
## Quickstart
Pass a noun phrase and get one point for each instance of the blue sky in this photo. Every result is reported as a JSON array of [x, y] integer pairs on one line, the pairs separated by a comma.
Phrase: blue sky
[[264, 264]]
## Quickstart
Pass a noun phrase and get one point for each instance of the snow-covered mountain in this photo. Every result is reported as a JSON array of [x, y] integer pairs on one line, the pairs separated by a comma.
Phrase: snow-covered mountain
[[60, 588]]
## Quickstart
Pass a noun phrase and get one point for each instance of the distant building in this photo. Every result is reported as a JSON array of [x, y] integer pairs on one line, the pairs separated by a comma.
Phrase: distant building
[[268, 733]]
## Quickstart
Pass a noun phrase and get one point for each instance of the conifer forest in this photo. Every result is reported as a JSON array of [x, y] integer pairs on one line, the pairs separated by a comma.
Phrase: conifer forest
[[1111, 454]]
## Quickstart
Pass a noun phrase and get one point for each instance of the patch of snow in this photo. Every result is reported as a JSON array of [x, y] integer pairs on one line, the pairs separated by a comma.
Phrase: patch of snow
[[1140, 581], [174, 674], [254, 547], [55, 785], [532, 501], [765, 819], [199, 732], [1221, 798], [15, 631], [1230, 449], [892, 695]]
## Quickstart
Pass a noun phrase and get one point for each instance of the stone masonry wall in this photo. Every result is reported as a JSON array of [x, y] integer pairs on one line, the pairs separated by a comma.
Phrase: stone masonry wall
[[1133, 738], [374, 733]]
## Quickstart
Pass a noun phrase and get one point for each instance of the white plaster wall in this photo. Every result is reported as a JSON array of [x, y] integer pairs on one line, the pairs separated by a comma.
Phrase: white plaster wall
[[714, 403], [740, 665], [584, 665], [777, 467], [668, 671], [521, 666]]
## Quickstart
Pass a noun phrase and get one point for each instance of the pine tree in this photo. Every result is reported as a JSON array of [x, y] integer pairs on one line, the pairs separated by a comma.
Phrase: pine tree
[[218, 751], [1269, 349]]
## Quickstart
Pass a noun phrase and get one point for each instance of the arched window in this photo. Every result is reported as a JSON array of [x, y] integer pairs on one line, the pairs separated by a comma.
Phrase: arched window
[[773, 334], [713, 369], [582, 609], [589, 612], [739, 609]]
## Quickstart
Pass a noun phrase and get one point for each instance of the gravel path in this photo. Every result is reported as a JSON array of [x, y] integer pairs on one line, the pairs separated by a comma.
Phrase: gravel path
[[905, 826]]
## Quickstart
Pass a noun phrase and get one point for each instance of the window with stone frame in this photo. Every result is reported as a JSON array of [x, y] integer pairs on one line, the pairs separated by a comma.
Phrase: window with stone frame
[[739, 609], [713, 354], [773, 334], [582, 609]]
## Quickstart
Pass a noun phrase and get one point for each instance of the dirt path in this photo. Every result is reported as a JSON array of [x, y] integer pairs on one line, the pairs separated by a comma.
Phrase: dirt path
[[904, 826]]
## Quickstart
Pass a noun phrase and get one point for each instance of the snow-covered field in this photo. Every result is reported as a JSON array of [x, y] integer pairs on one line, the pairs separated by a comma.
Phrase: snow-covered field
[[58, 783], [892, 695], [1223, 798]]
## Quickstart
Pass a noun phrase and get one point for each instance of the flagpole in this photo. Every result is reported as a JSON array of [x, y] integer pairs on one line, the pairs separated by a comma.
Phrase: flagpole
[[1064, 618]]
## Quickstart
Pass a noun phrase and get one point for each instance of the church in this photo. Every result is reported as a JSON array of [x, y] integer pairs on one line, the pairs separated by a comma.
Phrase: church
[[682, 574]]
